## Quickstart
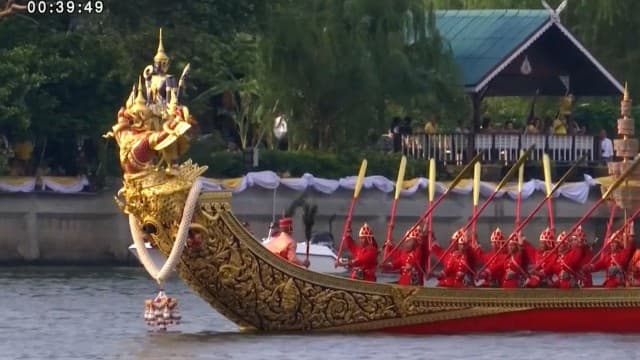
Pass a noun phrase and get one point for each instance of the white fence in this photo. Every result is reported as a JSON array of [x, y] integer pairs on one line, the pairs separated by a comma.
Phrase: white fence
[[497, 147]]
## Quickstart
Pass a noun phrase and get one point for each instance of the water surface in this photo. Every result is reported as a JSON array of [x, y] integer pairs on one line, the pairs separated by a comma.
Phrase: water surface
[[96, 313]]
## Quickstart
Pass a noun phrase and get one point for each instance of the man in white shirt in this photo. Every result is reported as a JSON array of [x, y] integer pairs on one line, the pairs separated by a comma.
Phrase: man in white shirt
[[606, 147]]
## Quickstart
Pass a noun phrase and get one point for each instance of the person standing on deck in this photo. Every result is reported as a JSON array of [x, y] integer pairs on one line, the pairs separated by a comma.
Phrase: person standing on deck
[[365, 254], [284, 245], [408, 260]]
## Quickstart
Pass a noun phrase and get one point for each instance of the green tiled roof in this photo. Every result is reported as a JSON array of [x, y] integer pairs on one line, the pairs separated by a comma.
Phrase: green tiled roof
[[482, 39]]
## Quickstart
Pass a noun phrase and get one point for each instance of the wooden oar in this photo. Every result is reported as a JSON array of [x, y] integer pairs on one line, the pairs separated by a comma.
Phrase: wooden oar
[[526, 220], [394, 205], [486, 203], [519, 199], [435, 204], [607, 241], [612, 215], [356, 192], [546, 166], [431, 192], [604, 197], [477, 170]]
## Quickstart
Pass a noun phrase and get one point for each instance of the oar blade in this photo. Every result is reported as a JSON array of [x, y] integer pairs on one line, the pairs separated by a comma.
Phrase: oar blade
[[514, 168], [360, 180], [477, 170], [432, 179], [546, 167], [400, 180], [521, 174]]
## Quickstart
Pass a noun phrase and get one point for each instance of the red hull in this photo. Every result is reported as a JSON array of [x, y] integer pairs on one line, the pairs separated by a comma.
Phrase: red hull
[[614, 320]]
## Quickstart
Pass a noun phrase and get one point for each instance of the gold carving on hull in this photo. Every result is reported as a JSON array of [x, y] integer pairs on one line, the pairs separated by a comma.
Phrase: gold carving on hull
[[253, 288]]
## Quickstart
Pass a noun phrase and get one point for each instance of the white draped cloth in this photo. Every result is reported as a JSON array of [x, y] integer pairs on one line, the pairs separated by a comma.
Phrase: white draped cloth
[[575, 191]]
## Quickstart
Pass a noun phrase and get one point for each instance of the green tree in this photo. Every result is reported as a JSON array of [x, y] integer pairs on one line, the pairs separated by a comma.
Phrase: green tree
[[336, 65]]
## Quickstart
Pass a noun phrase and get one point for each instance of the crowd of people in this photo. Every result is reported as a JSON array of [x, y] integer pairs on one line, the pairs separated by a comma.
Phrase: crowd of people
[[512, 262]]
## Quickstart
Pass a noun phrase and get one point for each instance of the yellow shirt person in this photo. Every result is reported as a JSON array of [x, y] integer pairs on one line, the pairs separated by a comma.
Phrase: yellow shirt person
[[559, 127]]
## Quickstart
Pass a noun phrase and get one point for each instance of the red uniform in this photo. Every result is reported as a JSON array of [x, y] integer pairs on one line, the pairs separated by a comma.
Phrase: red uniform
[[515, 266], [587, 254], [614, 262], [567, 262], [543, 259], [633, 271], [494, 269], [365, 255], [409, 260], [457, 270]]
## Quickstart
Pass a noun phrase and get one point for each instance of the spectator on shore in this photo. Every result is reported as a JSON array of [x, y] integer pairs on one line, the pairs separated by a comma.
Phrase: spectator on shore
[[574, 127], [486, 126], [406, 128], [431, 126], [560, 125], [606, 147], [547, 126], [396, 134], [532, 127], [509, 127]]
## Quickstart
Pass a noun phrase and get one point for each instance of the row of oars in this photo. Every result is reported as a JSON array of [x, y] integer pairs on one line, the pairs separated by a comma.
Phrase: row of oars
[[518, 167]]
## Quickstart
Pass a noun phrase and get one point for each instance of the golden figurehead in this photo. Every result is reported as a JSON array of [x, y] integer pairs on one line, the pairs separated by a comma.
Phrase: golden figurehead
[[159, 83]]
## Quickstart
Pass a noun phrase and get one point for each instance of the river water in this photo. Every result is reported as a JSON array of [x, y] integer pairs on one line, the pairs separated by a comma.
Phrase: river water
[[96, 313]]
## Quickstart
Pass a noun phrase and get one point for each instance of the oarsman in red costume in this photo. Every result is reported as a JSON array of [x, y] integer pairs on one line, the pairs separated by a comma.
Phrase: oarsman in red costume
[[614, 262], [633, 271], [493, 274], [408, 260], [365, 254], [542, 258], [457, 271], [515, 264], [284, 245], [580, 241], [567, 263]]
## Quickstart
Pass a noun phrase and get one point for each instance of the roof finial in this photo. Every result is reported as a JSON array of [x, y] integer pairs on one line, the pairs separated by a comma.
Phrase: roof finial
[[555, 13]]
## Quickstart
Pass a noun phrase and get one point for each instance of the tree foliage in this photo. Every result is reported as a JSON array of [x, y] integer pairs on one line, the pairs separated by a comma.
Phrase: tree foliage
[[335, 68], [335, 65]]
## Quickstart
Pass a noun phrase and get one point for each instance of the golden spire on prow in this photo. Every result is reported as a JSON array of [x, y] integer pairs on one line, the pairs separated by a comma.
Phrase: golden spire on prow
[[626, 92], [140, 104], [161, 56], [173, 101], [132, 97]]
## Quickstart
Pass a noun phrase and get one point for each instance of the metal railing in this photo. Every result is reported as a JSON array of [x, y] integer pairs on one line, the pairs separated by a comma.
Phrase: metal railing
[[497, 147]]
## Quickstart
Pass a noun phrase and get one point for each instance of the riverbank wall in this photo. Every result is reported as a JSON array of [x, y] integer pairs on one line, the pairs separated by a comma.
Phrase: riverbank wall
[[70, 229]]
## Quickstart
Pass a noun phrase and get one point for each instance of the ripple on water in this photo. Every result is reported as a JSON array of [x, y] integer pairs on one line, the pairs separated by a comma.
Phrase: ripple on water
[[95, 313]]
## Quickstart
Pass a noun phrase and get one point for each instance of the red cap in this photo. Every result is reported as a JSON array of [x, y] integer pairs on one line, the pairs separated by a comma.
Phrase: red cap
[[285, 222], [414, 234], [497, 236], [365, 231]]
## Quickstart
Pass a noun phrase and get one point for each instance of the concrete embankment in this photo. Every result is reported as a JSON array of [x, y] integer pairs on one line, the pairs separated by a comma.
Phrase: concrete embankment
[[50, 228]]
